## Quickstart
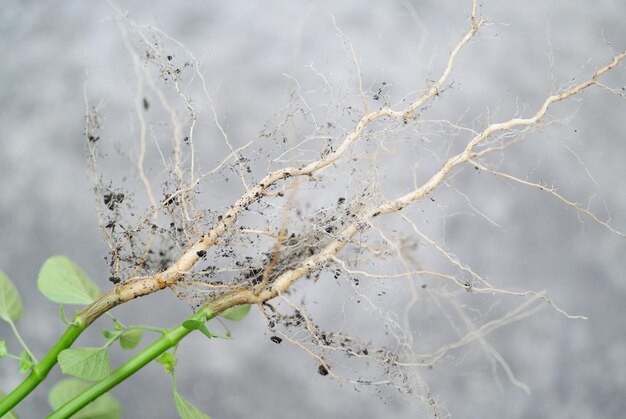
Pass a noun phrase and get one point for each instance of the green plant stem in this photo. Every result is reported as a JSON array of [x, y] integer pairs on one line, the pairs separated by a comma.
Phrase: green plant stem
[[40, 370], [87, 316], [167, 341]]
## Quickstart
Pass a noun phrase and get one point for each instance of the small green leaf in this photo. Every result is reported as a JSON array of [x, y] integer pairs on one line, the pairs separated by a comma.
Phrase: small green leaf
[[186, 410], [192, 324], [87, 363], [10, 301], [8, 415], [206, 332], [236, 313], [26, 362], [198, 325], [131, 338], [64, 282], [104, 407], [168, 361], [3, 348], [106, 333]]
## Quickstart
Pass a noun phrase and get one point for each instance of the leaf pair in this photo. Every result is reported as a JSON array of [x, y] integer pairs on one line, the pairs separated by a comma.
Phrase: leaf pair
[[60, 280]]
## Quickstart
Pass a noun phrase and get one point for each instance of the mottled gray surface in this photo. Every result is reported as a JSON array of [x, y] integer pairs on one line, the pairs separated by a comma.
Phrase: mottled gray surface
[[574, 368]]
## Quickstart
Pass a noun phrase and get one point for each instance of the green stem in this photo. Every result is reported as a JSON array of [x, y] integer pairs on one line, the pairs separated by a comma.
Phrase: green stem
[[168, 340], [41, 369], [82, 320]]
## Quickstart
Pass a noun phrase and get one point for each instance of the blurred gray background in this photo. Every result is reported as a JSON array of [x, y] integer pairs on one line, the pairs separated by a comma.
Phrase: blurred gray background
[[574, 368]]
